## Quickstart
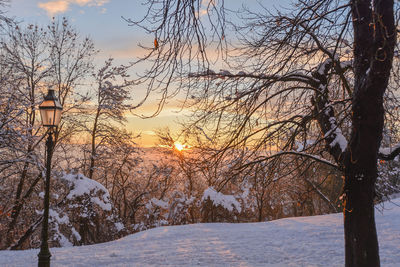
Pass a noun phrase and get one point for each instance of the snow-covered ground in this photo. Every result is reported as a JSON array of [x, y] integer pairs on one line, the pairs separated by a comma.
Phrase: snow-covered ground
[[303, 241]]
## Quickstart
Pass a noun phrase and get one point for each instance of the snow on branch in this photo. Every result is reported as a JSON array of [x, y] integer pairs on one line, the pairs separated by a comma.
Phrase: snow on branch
[[295, 153], [325, 114], [336, 134], [389, 153], [58, 220], [302, 146], [157, 203], [81, 185], [226, 201], [288, 77]]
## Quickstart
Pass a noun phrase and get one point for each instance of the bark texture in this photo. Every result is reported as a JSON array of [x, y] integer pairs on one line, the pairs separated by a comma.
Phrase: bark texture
[[374, 41]]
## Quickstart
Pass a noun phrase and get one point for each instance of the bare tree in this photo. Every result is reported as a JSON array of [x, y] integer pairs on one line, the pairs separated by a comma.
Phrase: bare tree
[[70, 63], [29, 56], [316, 74], [111, 95], [25, 53]]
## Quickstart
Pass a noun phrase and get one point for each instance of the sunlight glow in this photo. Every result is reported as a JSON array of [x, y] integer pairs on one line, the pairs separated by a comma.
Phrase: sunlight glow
[[178, 146]]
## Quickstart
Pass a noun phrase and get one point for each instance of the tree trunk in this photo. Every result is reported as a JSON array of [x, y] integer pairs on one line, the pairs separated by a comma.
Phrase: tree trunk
[[361, 242], [374, 41], [260, 213], [360, 232], [93, 145]]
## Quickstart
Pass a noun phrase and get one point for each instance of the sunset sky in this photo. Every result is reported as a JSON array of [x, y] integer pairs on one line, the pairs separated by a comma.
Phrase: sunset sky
[[102, 21]]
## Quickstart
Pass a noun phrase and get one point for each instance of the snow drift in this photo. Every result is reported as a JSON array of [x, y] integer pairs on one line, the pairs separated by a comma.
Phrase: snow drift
[[301, 241]]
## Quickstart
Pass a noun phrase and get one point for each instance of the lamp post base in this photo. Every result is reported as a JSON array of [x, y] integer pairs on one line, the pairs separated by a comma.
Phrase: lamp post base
[[44, 259]]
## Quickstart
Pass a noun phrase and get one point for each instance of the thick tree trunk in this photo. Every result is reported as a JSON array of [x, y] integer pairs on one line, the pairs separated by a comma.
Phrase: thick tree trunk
[[360, 176], [374, 40], [361, 242]]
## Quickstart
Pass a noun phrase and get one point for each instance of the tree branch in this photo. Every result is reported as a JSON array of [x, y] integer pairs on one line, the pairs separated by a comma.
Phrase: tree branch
[[389, 153]]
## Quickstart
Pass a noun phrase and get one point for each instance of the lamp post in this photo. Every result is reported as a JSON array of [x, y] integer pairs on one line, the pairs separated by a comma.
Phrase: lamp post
[[50, 112]]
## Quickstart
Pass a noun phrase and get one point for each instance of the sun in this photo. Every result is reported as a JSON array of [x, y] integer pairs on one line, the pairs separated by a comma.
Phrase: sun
[[178, 146]]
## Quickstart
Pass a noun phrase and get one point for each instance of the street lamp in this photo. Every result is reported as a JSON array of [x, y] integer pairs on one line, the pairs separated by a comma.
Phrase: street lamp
[[50, 112]]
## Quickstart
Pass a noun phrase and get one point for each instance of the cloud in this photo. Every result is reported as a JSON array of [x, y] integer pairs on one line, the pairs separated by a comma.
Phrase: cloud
[[61, 6], [206, 5], [82, 2], [54, 7]]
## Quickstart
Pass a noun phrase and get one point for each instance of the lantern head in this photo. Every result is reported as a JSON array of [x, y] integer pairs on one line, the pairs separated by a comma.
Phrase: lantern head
[[50, 110]]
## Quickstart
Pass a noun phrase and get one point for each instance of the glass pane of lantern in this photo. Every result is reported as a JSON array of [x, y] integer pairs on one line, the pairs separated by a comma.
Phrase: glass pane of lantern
[[47, 117], [43, 115], [50, 117], [57, 117]]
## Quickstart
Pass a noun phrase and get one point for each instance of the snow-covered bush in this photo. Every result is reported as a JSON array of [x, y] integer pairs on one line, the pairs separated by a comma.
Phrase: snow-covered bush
[[81, 213], [85, 214], [180, 208], [218, 207], [175, 210]]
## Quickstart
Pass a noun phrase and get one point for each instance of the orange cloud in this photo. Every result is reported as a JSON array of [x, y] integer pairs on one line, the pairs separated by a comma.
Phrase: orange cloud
[[54, 7], [61, 6]]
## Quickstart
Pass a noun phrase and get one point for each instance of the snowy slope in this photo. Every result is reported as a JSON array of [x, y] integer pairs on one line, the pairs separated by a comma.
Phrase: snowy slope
[[303, 241]]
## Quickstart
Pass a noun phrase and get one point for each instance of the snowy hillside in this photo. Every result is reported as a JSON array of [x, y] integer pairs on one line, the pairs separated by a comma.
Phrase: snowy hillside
[[303, 241]]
